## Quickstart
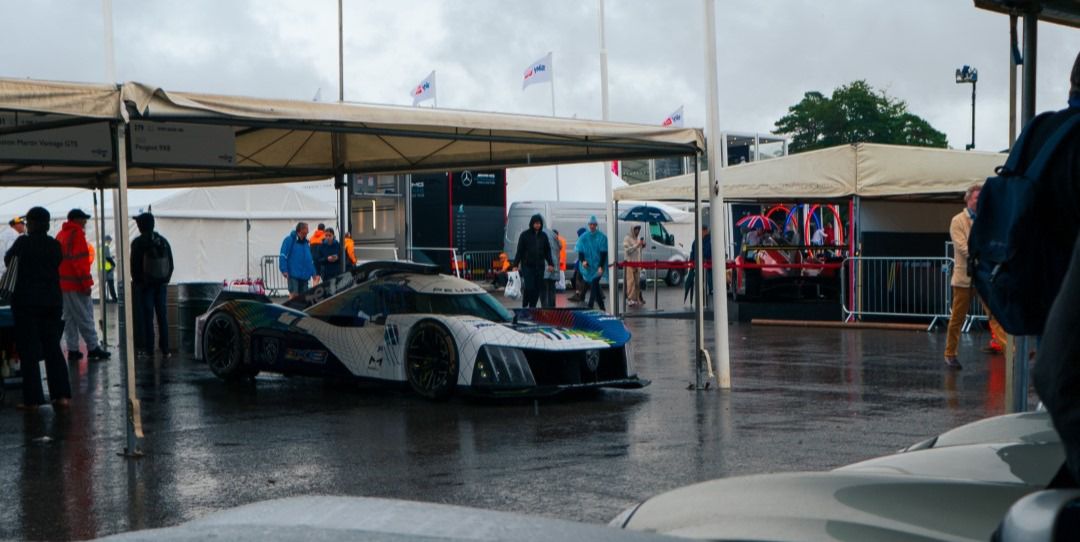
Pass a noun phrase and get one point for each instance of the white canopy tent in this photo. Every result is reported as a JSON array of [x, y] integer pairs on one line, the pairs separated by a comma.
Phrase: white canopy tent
[[866, 170]]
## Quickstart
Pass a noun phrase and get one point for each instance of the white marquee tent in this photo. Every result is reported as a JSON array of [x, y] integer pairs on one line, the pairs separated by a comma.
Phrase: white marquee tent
[[866, 170], [223, 233]]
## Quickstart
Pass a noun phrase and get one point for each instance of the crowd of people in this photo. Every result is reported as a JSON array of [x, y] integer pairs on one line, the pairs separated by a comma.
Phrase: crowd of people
[[540, 261], [51, 300], [302, 261]]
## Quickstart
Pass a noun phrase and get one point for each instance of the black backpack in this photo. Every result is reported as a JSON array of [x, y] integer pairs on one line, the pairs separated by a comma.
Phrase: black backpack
[[155, 261], [1013, 267]]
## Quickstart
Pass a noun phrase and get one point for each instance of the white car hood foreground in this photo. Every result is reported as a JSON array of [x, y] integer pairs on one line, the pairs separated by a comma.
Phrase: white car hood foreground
[[830, 506], [953, 491], [337, 519]]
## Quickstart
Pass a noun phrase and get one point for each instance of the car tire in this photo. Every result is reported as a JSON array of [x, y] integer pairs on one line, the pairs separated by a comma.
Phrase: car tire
[[431, 360], [222, 347], [674, 277]]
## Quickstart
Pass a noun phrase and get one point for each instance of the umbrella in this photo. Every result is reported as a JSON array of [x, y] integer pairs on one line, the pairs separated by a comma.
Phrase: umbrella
[[645, 213], [754, 221]]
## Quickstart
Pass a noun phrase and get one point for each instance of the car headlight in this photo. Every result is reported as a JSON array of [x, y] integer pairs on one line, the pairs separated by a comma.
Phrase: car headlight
[[501, 367]]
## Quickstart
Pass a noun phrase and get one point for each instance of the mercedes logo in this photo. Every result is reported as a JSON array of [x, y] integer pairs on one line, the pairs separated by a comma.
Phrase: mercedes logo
[[466, 178]]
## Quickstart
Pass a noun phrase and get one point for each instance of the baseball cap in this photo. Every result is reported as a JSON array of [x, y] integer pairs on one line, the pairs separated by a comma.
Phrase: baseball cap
[[77, 214], [17, 220]]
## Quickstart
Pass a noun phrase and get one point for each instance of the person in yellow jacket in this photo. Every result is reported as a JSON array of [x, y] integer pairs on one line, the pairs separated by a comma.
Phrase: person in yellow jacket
[[959, 230], [350, 251]]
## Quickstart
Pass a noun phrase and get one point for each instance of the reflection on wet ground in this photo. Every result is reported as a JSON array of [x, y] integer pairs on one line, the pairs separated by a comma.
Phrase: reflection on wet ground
[[804, 399]]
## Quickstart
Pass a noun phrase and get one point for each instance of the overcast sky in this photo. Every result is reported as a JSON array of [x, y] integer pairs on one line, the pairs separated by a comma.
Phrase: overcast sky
[[770, 53]]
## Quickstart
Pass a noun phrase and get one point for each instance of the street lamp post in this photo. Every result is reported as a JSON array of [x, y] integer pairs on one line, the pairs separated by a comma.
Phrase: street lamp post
[[967, 74]]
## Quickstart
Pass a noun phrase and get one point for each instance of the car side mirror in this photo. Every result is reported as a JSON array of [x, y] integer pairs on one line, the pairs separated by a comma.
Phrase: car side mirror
[[1052, 514], [670, 239], [379, 319]]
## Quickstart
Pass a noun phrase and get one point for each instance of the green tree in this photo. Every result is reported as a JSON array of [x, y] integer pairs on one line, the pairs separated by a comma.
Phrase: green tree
[[854, 113]]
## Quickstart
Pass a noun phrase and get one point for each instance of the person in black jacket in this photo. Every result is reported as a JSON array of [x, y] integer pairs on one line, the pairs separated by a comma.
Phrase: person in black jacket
[[327, 256], [38, 310], [151, 270], [533, 250], [1057, 366]]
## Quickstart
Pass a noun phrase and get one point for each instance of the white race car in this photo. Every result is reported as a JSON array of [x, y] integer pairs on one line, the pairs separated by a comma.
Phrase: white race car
[[404, 322]]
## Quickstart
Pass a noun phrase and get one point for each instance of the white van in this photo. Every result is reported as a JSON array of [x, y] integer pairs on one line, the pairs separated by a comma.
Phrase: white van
[[568, 216]]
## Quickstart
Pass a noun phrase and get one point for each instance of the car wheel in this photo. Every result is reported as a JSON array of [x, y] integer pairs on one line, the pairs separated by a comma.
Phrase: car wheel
[[431, 360], [674, 277], [222, 347]]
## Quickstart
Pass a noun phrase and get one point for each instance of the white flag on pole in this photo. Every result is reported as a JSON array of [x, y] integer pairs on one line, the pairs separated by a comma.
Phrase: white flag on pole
[[674, 119], [425, 90], [537, 72]]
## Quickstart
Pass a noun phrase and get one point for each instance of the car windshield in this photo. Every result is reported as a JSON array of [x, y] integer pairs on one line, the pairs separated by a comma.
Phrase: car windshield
[[479, 305]]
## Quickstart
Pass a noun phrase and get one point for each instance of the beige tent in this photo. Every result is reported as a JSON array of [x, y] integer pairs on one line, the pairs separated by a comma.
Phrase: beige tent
[[140, 136], [60, 134], [863, 169]]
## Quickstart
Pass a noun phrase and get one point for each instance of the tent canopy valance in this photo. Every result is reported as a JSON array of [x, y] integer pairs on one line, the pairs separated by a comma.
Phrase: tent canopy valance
[[863, 169], [61, 134]]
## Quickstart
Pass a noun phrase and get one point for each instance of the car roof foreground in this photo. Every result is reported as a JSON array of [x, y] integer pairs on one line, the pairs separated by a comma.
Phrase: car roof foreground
[[318, 519], [829, 506]]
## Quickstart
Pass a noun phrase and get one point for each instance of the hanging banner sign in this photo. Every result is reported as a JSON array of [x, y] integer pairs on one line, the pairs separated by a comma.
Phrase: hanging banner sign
[[88, 143], [182, 144]]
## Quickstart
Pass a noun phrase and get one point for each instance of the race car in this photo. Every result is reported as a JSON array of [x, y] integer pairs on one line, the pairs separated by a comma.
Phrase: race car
[[404, 322]]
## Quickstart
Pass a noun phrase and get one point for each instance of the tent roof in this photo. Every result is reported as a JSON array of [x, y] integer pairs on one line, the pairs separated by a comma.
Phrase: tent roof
[[243, 140], [863, 169], [243, 202]]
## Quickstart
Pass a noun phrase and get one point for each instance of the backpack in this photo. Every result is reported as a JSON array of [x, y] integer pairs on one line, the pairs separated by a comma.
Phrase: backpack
[[155, 261], [1013, 267]]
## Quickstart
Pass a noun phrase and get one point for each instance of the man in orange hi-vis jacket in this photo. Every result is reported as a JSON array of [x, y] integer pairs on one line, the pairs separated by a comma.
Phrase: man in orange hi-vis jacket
[[75, 284]]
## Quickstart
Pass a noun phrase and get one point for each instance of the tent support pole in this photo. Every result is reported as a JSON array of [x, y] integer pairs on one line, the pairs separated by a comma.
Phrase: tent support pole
[[132, 415], [99, 234], [699, 287], [717, 149], [339, 184]]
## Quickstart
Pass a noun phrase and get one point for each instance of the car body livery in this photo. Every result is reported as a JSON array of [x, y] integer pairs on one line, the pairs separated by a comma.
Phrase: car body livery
[[404, 322]]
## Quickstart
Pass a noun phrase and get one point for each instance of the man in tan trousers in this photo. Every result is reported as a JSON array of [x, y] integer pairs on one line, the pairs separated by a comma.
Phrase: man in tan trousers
[[961, 283]]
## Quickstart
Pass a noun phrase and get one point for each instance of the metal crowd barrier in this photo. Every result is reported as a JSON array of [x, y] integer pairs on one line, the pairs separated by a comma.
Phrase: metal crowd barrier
[[478, 264], [896, 287], [273, 281], [976, 313]]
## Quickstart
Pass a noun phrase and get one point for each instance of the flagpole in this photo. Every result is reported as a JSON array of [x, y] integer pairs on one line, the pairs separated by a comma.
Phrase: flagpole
[[613, 281], [558, 197], [716, 151]]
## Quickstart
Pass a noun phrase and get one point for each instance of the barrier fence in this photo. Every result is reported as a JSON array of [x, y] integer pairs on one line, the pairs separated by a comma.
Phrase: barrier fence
[[274, 282], [478, 265], [896, 287]]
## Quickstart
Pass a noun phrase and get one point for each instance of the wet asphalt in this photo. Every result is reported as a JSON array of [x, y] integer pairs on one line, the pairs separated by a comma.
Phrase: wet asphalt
[[803, 399]]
